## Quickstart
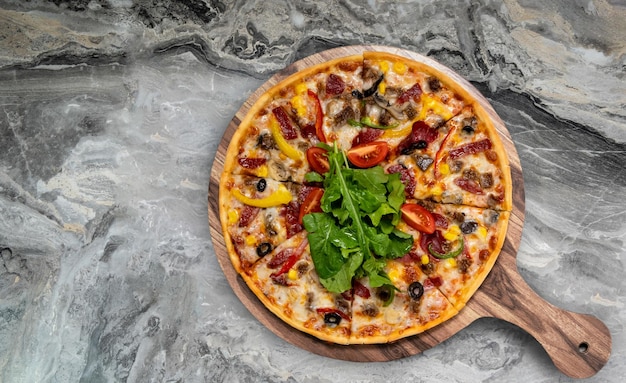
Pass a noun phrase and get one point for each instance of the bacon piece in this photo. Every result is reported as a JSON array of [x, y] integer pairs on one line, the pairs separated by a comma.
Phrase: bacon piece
[[248, 213], [291, 212], [440, 221], [360, 290], [469, 185], [421, 135], [367, 135], [280, 258], [411, 93], [435, 239], [286, 127], [432, 282], [334, 85], [308, 130], [286, 259], [251, 163], [471, 148]]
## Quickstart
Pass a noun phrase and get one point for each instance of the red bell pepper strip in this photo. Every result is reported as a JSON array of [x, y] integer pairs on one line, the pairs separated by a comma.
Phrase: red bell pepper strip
[[291, 260], [440, 151], [319, 116]]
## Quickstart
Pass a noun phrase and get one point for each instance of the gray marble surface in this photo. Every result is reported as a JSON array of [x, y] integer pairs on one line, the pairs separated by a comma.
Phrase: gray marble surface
[[110, 115]]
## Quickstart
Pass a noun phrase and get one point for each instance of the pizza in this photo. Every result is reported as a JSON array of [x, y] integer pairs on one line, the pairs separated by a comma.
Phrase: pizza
[[365, 199]]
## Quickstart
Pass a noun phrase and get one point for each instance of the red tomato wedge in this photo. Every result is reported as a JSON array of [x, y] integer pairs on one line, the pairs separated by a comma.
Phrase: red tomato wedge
[[311, 204], [418, 218], [318, 159], [368, 155]]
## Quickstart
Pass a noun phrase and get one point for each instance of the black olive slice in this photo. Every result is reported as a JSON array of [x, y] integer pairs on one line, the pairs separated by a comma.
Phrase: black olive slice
[[468, 129], [263, 249], [332, 319], [468, 227], [417, 145], [357, 94], [370, 92], [416, 290], [261, 185]]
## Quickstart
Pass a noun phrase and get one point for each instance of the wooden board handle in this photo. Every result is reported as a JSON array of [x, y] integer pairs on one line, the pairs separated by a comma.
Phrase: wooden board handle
[[578, 344]]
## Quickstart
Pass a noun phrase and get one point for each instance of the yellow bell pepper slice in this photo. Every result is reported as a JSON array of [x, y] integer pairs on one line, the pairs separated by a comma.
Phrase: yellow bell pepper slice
[[282, 143], [398, 133], [280, 197], [431, 103]]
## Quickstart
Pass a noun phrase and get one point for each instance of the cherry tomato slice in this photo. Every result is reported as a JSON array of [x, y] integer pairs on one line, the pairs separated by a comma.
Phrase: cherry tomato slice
[[418, 218], [311, 204], [318, 159], [368, 155]]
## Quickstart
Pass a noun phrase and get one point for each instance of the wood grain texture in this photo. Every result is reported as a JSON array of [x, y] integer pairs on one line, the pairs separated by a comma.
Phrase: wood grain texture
[[579, 345]]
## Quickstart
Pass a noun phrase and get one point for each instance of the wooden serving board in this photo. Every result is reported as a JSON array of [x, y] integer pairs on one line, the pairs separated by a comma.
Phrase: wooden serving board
[[578, 344]]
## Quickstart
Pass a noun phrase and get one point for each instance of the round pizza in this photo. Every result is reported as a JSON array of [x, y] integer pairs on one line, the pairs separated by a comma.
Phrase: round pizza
[[365, 199]]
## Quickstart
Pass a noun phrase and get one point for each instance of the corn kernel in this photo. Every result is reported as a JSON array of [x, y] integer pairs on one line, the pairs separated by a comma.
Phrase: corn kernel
[[292, 274], [384, 66], [441, 109], [452, 233], [299, 105], [482, 232], [436, 190], [262, 171], [394, 274], [250, 240], [233, 216], [451, 262], [425, 259], [399, 67], [444, 169], [301, 88], [432, 104], [282, 156], [382, 87]]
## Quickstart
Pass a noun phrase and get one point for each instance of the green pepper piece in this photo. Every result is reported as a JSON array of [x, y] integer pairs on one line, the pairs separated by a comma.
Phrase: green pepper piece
[[451, 254], [366, 121]]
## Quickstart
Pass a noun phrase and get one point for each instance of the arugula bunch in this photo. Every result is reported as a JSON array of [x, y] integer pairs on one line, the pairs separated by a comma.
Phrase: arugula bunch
[[355, 234]]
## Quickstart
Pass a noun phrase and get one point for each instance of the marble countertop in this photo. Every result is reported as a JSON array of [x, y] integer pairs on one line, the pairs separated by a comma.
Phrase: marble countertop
[[110, 115]]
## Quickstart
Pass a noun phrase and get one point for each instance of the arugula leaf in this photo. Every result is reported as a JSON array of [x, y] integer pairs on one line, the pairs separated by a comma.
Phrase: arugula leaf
[[342, 280], [372, 179], [395, 187], [321, 228], [313, 177], [356, 234], [374, 271]]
